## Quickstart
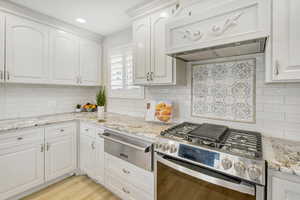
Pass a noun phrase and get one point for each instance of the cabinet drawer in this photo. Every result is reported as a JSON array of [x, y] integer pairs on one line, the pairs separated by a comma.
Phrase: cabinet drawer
[[227, 23], [60, 130], [24, 136], [124, 189], [136, 176], [88, 130]]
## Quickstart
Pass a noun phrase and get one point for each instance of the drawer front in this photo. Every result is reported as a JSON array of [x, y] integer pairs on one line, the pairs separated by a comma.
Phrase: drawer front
[[136, 176], [61, 130], [125, 190], [20, 137], [88, 130], [240, 20]]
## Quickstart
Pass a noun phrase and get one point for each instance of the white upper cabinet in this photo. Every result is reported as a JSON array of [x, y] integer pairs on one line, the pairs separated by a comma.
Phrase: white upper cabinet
[[90, 63], [141, 50], [161, 65], [64, 57], [151, 65], [211, 24], [2, 39], [285, 42], [26, 51]]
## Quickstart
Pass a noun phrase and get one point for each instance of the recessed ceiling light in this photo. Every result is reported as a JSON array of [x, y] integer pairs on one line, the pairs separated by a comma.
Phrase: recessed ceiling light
[[80, 20]]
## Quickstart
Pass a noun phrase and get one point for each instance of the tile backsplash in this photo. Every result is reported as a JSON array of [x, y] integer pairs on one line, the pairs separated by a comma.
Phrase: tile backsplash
[[277, 105], [21, 100]]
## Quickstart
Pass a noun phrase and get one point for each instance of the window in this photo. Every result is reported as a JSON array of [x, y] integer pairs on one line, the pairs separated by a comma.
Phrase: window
[[121, 74]]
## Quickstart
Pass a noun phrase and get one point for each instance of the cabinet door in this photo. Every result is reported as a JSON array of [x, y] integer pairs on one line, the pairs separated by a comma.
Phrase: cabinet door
[[285, 190], [90, 63], [286, 43], [64, 58], [2, 33], [87, 155], [99, 165], [141, 50], [26, 51], [60, 156], [161, 65], [22, 168]]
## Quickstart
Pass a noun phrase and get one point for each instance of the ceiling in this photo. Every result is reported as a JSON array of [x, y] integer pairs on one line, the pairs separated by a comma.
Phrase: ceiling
[[102, 16]]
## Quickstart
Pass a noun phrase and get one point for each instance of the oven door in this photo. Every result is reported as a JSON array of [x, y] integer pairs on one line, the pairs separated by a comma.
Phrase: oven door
[[180, 180]]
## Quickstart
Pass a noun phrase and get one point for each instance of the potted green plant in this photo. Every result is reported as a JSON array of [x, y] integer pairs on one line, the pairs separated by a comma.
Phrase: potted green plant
[[101, 101]]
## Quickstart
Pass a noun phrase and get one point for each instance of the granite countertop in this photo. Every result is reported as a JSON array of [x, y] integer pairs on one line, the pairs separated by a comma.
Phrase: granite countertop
[[123, 123], [282, 155]]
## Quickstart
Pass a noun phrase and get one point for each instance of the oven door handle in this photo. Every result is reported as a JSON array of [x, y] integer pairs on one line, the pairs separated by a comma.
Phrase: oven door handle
[[243, 188]]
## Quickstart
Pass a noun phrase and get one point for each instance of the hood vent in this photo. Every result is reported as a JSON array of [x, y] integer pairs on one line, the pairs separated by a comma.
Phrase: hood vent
[[234, 49]]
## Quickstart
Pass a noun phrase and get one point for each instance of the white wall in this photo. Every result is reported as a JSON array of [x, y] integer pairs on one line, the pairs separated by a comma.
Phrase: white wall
[[277, 105], [20, 100]]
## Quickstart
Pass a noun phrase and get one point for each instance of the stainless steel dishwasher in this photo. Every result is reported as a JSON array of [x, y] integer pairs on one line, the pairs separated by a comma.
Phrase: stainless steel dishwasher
[[130, 149]]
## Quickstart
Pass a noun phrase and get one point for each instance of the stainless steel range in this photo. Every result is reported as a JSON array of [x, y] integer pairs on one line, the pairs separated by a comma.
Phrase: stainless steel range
[[212, 159]]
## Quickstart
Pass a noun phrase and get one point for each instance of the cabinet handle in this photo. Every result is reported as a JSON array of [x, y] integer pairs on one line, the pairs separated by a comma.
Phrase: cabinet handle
[[93, 145], [148, 76], [151, 76], [62, 130], [1, 75], [20, 138], [47, 147], [125, 171], [126, 191], [42, 147], [8, 76], [276, 71], [86, 129]]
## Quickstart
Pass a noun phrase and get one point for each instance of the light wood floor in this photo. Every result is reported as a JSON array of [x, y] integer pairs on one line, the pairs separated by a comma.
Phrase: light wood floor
[[73, 188]]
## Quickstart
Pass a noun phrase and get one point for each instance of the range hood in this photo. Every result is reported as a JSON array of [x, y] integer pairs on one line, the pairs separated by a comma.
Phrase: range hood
[[227, 50]]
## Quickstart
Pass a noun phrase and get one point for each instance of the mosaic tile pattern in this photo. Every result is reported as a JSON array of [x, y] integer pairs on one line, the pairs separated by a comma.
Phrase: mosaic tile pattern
[[224, 90]]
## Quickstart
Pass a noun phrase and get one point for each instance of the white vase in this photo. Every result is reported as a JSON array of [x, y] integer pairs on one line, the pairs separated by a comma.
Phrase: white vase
[[100, 112]]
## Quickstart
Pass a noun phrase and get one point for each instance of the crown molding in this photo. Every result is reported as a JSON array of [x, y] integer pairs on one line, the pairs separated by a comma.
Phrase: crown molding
[[147, 8]]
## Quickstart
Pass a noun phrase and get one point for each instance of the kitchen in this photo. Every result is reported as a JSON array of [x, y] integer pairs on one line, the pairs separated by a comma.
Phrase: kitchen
[[149, 99]]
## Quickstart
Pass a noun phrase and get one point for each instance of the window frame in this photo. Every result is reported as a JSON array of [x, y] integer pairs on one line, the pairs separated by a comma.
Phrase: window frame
[[124, 93]]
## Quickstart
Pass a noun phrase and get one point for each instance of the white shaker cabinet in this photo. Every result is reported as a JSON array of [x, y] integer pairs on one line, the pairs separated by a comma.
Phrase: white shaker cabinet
[[87, 156], [21, 161], [283, 189], [64, 58], [90, 63], [285, 64], [141, 50], [26, 51], [2, 39], [60, 150]]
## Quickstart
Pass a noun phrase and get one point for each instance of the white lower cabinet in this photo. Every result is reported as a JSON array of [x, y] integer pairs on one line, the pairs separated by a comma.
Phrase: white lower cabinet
[[92, 152], [128, 181], [21, 161], [60, 150], [283, 189]]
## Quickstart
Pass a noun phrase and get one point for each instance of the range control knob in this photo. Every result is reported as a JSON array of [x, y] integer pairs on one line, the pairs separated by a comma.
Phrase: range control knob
[[173, 148], [166, 147], [226, 163], [254, 172], [240, 168]]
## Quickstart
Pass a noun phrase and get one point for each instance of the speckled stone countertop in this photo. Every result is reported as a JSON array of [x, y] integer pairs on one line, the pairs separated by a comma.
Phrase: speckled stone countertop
[[123, 123], [282, 155]]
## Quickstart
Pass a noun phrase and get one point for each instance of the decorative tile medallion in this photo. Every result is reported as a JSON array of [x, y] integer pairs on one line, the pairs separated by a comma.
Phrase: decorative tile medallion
[[224, 91]]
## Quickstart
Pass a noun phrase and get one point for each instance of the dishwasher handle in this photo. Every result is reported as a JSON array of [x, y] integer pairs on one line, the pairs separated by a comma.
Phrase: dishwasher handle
[[125, 141]]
